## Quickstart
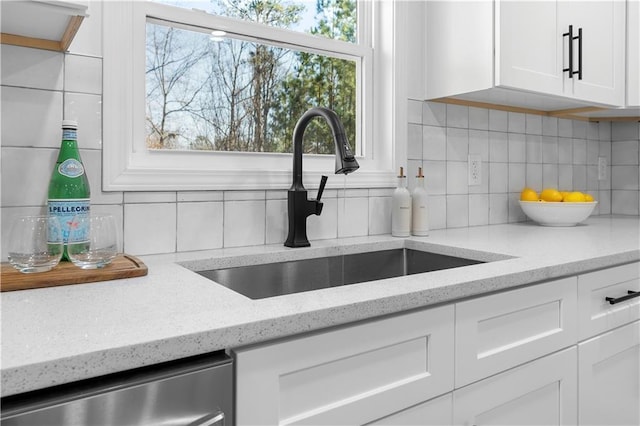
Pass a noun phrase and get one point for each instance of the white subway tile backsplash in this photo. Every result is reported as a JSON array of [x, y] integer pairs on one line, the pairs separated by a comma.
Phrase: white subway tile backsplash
[[414, 111], [33, 68], [624, 202], [604, 202], [579, 177], [624, 131], [533, 124], [457, 211], [517, 148], [150, 197], [434, 114], [34, 117], [244, 223], [517, 122], [25, 175], [478, 118], [83, 74], [434, 141], [498, 178], [188, 196], [550, 176], [625, 177], [498, 147], [150, 228], [478, 209], [534, 175], [565, 177], [565, 128], [437, 211], [565, 150], [514, 209], [353, 217], [517, 177], [579, 129], [457, 177], [87, 111], [498, 121], [624, 153], [593, 133], [277, 223], [435, 179], [200, 226], [592, 179], [550, 150], [244, 195], [549, 126], [414, 141], [479, 144], [534, 148], [379, 215], [457, 116], [579, 151], [457, 144], [593, 151], [498, 208]]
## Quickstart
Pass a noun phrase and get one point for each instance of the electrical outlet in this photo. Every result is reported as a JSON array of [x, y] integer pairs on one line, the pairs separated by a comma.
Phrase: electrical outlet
[[602, 168], [475, 170]]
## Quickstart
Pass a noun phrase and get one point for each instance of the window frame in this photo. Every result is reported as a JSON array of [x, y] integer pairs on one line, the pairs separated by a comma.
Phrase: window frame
[[129, 166]]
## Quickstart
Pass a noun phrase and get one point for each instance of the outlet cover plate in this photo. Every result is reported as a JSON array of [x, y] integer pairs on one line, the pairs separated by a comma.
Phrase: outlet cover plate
[[475, 170]]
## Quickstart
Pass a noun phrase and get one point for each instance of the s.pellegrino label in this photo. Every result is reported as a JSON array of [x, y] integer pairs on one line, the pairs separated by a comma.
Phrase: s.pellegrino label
[[69, 192]]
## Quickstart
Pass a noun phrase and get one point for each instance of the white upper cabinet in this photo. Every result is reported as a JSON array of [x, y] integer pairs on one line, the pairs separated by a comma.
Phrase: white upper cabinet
[[489, 48], [633, 53]]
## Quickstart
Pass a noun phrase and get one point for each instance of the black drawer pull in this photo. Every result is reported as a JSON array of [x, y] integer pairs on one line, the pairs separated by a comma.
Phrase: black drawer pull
[[630, 295]]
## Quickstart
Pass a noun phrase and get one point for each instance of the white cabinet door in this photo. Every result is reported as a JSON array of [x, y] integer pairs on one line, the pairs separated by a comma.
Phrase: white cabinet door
[[609, 377], [542, 392], [603, 49], [500, 331], [436, 412], [352, 375], [528, 48], [596, 315], [633, 53]]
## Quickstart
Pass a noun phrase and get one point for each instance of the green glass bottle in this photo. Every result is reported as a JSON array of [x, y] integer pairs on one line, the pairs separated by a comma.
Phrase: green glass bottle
[[69, 192]]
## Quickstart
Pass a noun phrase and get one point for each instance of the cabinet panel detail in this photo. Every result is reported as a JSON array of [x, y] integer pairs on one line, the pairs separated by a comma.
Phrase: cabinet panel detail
[[494, 333], [596, 315], [542, 392], [351, 375], [436, 412], [609, 372]]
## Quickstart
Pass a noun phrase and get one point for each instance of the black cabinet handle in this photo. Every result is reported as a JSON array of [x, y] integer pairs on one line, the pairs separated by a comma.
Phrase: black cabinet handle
[[630, 295], [579, 72], [570, 35]]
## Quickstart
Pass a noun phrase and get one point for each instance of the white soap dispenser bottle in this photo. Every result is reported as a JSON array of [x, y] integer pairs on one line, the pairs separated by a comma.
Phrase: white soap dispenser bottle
[[401, 208], [419, 212]]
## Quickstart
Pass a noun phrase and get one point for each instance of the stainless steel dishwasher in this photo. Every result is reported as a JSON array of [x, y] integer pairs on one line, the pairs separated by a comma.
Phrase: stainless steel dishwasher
[[193, 392]]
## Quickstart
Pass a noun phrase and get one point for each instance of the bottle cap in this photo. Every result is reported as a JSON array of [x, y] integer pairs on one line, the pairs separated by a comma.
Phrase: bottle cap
[[419, 175], [69, 124]]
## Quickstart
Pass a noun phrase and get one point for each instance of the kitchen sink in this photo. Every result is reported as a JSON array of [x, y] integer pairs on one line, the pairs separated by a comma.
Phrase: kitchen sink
[[276, 279]]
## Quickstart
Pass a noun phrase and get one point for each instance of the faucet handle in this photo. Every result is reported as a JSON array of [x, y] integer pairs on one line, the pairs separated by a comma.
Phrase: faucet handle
[[323, 182]]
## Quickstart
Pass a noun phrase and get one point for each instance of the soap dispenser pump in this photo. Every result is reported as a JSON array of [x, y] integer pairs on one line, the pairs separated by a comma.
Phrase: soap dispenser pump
[[401, 208]]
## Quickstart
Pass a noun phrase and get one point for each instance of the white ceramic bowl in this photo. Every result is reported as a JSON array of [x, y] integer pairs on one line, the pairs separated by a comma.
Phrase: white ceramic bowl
[[557, 214]]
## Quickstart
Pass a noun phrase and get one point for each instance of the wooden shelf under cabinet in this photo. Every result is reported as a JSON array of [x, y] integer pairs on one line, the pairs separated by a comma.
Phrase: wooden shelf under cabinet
[[41, 24]]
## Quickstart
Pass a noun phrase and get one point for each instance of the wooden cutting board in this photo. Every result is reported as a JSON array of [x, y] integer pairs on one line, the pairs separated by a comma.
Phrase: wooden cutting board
[[66, 273]]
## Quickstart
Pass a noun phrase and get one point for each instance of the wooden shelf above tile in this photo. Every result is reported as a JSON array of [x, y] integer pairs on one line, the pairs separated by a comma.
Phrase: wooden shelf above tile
[[41, 24]]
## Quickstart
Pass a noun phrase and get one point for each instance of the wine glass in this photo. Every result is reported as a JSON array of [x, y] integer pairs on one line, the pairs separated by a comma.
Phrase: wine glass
[[93, 241], [35, 243]]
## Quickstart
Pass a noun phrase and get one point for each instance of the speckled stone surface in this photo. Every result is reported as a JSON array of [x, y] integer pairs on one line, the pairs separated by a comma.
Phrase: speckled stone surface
[[63, 334]]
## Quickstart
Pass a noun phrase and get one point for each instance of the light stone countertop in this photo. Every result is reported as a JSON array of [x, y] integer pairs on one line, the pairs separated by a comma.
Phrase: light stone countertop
[[62, 334]]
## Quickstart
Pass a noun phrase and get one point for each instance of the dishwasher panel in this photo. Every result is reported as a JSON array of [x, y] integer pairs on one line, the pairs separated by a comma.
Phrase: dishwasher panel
[[186, 393]]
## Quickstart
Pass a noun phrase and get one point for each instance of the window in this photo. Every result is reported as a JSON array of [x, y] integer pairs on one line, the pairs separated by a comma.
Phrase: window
[[196, 100]]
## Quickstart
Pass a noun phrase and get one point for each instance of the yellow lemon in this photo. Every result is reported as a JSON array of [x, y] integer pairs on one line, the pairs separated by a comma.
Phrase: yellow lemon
[[529, 194], [550, 194], [588, 198], [575, 197], [564, 194]]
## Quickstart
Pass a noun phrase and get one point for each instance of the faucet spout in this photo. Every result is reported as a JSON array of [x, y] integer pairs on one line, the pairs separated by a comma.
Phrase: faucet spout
[[299, 207]]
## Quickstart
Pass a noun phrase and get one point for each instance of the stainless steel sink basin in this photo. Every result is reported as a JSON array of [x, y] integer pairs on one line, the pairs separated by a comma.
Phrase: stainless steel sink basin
[[275, 279]]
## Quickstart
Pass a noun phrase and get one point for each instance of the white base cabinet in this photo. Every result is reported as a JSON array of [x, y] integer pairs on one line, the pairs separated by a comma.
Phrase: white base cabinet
[[555, 353], [542, 392], [609, 372]]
